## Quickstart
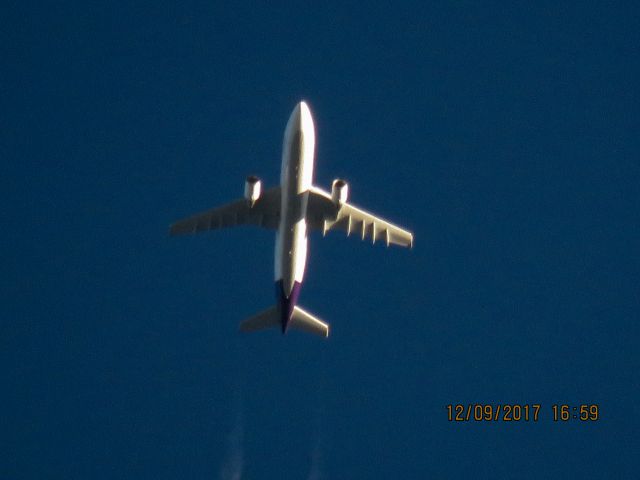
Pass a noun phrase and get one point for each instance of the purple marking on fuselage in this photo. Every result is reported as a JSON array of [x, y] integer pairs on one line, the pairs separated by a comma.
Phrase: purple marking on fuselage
[[285, 303]]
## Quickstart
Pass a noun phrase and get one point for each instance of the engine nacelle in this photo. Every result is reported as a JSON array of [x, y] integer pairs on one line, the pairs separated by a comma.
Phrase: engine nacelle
[[339, 191], [252, 189]]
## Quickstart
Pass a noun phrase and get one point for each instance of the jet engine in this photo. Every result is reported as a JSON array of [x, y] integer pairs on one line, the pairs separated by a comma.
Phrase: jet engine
[[252, 187], [339, 191]]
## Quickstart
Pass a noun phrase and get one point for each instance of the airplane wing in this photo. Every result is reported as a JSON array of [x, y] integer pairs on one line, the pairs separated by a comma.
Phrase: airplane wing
[[323, 214], [265, 212]]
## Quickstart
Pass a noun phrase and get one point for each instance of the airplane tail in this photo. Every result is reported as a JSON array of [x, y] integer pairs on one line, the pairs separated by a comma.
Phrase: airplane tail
[[300, 320], [303, 320], [266, 319]]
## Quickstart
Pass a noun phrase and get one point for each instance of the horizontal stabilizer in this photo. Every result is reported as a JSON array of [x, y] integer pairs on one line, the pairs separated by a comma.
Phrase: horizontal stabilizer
[[266, 319], [301, 320]]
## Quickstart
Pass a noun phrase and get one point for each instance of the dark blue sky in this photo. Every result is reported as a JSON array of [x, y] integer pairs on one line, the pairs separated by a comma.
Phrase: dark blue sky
[[505, 137]]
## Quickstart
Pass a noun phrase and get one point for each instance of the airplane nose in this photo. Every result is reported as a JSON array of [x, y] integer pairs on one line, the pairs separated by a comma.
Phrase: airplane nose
[[305, 114], [300, 117], [300, 125], [303, 109]]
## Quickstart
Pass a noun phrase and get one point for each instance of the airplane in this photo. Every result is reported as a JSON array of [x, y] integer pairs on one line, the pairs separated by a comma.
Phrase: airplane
[[294, 208]]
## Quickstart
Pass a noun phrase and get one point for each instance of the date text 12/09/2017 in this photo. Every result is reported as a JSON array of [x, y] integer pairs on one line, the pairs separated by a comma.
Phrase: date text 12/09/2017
[[515, 412]]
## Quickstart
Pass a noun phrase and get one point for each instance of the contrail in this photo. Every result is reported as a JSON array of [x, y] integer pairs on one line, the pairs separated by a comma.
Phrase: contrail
[[315, 473], [234, 463]]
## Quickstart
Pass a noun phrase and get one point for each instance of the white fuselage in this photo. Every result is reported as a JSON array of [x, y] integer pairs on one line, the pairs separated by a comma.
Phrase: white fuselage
[[294, 207], [296, 178]]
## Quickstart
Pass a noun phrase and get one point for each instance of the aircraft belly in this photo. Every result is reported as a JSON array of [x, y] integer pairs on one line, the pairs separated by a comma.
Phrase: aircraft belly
[[291, 255], [296, 179]]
